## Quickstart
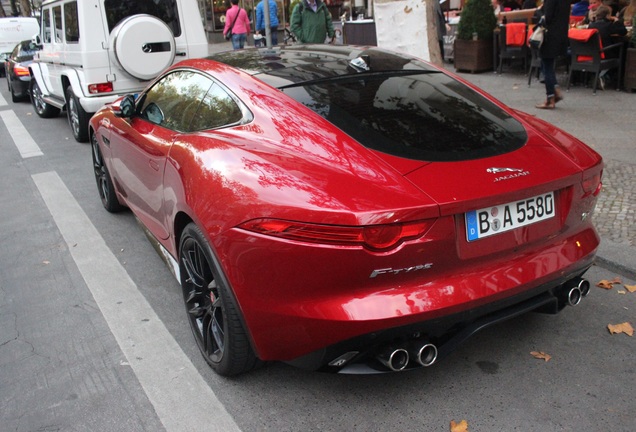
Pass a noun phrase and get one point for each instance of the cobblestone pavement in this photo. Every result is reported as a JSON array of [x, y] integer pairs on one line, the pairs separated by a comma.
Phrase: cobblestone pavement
[[615, 212]]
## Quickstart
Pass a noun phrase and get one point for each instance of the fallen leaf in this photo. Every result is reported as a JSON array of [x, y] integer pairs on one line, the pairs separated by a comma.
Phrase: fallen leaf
[[630, 288], [541, 355], [607, 284], [46, 262], [621, 328], [621, 292], [462, 426]]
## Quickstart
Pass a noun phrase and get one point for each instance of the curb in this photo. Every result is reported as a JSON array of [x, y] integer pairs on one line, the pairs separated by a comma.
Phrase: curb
[[617, 257]]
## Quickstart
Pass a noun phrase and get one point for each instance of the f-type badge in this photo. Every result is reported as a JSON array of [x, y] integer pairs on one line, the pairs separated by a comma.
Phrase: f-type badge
[[396, 271]]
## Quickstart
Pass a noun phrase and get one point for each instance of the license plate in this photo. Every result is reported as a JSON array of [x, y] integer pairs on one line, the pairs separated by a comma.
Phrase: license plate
[[505, 217]]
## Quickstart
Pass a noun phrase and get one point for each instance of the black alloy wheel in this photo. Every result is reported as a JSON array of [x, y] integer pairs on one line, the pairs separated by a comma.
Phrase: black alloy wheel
[[42, 108], [105, 185], [212, 312]]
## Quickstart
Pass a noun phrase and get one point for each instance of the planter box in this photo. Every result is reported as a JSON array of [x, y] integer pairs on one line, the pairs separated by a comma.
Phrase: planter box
[[629, 82], [473, 55]]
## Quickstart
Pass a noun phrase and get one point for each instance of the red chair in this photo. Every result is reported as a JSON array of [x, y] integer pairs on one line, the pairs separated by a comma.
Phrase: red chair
[[588, 55], [512, 43]]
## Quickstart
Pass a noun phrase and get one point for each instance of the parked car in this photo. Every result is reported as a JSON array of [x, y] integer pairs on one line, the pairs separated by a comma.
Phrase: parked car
[[16, 68], [93, 51], [12, 31], [347, 209]]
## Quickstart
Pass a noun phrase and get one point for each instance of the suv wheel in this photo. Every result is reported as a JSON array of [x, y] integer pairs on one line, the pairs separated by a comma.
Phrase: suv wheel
[[77, 117], [42, 108]]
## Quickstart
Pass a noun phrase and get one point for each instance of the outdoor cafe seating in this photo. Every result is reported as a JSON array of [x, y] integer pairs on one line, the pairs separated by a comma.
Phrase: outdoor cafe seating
[[589, 56]]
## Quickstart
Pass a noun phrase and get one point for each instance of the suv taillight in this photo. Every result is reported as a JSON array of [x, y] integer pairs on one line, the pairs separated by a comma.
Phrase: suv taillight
[[106, 87]]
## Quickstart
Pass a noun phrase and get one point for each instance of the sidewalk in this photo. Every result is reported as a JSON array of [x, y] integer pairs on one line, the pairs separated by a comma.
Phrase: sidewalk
[[606, 122]]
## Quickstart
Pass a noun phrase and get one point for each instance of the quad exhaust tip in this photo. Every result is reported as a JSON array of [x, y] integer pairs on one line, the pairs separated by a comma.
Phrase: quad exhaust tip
[[396, 359], [576, 289], [426, 355]]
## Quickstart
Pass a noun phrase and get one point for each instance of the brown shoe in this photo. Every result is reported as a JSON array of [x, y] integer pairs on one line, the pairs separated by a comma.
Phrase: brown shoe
[[558, 95], [548, 104]]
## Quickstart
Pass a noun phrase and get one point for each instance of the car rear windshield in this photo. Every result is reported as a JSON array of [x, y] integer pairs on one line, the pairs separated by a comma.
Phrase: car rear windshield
[[422, 115], [165, 10]]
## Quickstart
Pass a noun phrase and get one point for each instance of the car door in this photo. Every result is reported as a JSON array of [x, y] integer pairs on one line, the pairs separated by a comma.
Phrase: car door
[[139, 149]]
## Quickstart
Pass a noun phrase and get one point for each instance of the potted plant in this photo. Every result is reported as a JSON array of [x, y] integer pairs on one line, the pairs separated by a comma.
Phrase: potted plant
[[630, 62], [474, 37]]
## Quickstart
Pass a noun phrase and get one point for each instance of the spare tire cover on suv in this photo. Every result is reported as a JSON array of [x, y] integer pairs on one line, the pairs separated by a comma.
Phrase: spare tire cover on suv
[[143, 46]]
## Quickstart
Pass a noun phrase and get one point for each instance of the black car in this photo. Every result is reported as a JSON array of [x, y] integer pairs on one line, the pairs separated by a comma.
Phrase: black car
[[17, 70]]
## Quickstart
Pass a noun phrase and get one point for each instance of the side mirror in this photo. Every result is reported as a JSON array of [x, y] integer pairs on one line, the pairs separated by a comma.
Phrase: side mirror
[[35, 40], [124, 107]]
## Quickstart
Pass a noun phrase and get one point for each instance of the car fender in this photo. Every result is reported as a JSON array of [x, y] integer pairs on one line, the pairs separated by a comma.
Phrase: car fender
[[36, 73], [74, 80]]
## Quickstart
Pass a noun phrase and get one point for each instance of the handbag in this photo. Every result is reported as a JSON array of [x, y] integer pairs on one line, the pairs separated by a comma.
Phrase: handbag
[[537, 36], [228, 35]]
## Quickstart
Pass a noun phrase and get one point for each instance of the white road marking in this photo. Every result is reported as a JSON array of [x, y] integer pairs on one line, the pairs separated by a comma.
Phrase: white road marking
[[21, 137], [182, 399]]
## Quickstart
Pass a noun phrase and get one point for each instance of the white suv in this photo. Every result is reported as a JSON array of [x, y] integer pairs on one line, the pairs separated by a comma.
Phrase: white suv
[[93, 51]]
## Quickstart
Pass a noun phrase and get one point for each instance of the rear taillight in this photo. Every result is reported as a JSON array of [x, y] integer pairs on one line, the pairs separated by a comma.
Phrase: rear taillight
[[373, 237], [592, 185], [106, 87], [20, 71]]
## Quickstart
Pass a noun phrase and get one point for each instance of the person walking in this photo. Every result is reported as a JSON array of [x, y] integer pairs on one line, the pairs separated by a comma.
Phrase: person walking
[[273, 19], [237, 24], [311, 22], [556, 20]]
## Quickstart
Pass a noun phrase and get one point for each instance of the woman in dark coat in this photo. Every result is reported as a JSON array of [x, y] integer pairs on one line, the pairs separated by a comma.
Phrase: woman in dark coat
[[556, 16]]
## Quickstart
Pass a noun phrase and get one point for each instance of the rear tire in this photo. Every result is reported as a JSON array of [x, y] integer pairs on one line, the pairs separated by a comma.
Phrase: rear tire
[[42, 108], [77, 117], [212, 312]]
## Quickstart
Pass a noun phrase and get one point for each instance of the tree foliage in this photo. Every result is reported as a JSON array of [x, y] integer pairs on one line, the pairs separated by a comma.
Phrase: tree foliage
[[478, 17]]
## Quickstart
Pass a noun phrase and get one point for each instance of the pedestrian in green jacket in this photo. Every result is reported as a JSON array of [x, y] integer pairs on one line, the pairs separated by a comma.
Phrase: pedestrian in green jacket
[[311, 22]]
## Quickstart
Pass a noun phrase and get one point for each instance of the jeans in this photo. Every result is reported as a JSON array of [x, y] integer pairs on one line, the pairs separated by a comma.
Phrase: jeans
[[274, 33], [547, 65], [238, 41]]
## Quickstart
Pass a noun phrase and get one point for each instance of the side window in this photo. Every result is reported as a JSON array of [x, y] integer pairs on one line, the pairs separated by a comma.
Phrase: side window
[[166, 10], [71, 25], [218, 109], [174, 99], [57, 19], [46, 25], [16, 52]]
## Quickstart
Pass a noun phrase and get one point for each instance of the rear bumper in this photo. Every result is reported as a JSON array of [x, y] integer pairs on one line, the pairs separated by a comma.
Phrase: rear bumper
[[360, 355], [306, 306], [20, 86]]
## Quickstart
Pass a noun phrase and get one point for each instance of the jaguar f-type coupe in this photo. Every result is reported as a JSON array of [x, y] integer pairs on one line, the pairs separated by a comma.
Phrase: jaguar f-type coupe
[[347, 209]]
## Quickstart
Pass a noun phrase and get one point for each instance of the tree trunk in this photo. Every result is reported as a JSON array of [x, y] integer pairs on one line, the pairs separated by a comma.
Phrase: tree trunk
[[25, 5], [408, 26], [2, 13], [14, 8]]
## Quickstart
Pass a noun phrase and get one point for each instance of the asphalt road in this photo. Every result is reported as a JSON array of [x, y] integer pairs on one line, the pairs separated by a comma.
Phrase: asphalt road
[[93, 334]]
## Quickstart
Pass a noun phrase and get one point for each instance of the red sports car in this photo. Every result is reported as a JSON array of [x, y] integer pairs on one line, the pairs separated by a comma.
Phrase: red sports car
[[347, 209]]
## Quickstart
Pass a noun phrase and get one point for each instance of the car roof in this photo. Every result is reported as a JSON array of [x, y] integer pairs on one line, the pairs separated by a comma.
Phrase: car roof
[[295, 64]]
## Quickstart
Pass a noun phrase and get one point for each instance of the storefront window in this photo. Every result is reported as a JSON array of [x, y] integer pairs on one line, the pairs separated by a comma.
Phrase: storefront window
[[216, 9]]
